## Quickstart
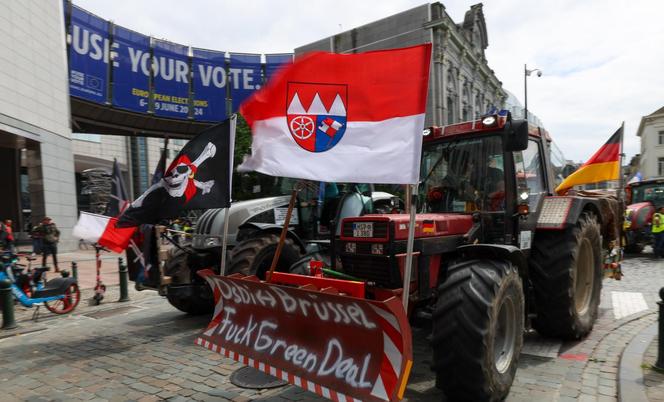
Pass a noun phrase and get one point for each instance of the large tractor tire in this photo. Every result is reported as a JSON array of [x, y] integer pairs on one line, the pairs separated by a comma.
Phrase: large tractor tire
[[478, 330], [254, 256], [197, 303], [566, 273]]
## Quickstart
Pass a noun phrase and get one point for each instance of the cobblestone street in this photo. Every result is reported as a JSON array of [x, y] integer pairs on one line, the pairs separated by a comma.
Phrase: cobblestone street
[[143, 350]]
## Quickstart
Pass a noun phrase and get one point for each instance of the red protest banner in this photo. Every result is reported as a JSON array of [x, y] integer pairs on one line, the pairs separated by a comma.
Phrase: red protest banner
[[340, 347]]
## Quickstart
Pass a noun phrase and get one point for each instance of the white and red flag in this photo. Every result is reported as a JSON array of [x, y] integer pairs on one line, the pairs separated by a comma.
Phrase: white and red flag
[[342, 117], [101, 229]]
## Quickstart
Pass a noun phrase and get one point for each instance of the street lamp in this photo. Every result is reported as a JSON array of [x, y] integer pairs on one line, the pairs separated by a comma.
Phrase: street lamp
[[526, 73]]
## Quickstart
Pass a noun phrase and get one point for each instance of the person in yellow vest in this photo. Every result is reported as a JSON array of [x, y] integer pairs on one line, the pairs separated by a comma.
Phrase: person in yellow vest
[[658, 232]]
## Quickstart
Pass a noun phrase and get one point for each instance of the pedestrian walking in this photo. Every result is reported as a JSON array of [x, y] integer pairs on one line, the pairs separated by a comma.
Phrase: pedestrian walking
[[658, 232], [37, 236], [8, 236], [51, 237]]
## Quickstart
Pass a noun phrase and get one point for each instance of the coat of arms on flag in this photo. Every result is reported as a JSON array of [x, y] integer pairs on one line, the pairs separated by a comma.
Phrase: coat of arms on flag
[[317, 114]]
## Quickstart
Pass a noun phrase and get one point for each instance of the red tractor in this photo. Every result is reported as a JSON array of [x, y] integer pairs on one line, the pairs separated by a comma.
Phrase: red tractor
[[495, 252], [643, 199]]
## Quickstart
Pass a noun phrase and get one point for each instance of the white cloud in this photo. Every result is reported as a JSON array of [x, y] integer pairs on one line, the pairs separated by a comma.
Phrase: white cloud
[[602, 59]]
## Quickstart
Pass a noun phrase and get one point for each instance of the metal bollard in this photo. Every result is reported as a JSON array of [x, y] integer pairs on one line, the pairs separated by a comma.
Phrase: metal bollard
[[7, 300], [74, 269], [660, 350], [124, 279]]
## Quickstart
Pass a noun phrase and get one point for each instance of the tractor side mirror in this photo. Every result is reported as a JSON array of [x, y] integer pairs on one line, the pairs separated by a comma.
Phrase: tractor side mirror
[[515, 135]]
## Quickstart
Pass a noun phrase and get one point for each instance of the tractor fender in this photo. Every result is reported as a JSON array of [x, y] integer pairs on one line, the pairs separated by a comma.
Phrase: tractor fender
[[249, 229], [496, 251], [560, 213]]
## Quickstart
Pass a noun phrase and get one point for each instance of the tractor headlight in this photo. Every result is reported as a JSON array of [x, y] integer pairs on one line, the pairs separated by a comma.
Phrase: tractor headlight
[[489, 120]]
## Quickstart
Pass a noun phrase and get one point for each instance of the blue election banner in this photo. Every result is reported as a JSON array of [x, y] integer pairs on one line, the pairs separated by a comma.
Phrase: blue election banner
[[131, 70], [245, 76], [210, 80], [171, 79], [88, 56], [273, 62]]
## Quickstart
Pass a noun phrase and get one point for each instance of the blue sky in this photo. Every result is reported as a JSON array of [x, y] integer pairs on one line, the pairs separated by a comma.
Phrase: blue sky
[[602, 60]]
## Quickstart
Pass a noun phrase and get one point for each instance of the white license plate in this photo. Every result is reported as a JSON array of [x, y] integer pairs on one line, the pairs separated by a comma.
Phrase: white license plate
[[363, 229]]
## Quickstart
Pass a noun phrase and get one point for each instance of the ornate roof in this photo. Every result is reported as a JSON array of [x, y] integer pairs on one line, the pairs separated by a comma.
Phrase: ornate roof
[[474, 28]]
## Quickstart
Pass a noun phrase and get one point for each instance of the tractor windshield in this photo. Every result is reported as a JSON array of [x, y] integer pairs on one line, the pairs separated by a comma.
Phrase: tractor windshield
[[649, 192], [464, 175]]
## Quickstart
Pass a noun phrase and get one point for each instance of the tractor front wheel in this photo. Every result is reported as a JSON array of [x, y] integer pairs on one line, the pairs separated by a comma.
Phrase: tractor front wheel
[[566, 273], [635, 246], [200, 301], [254, 255], [478, 330]]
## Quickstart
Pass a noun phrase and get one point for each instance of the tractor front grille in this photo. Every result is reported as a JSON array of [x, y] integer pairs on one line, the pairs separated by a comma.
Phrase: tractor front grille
[[374, 268]]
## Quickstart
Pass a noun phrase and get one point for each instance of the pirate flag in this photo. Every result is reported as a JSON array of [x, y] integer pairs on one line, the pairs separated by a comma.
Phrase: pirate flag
[[198, 178]]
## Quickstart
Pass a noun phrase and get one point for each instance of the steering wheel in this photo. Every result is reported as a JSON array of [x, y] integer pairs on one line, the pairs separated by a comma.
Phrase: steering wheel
[[435, 194]]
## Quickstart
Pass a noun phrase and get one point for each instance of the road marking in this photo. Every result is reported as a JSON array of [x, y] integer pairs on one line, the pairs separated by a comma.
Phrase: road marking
[[627, 303], [541, 347]]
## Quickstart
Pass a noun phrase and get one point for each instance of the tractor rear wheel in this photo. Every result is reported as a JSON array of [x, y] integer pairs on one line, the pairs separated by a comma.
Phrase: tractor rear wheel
[[254, 255], [566, 273], [478, 330], [197, 303]]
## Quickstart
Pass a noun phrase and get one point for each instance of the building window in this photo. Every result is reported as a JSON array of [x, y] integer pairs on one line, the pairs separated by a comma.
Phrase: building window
[[660, 166], [450, 111], [660, 138]]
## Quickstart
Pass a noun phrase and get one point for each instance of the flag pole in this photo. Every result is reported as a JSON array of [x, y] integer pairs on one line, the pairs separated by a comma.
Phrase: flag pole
[[621, 179], [408, 269], [621, 185], [224, 240], [284, 231]]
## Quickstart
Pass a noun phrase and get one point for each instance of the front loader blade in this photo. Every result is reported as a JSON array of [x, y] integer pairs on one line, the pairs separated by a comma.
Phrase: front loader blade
[[340, 347]]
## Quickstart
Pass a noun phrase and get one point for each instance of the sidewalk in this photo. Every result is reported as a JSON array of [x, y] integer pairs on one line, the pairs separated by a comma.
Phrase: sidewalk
[[24, 314], [85, 259], [653, 379]]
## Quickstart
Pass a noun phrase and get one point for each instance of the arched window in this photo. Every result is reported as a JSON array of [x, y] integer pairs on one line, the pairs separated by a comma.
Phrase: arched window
[[450, 110], [465, 102], [478, 106]]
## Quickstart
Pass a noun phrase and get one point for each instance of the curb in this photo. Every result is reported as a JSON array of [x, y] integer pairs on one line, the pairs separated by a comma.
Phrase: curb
[[21, 330], [630, 373]]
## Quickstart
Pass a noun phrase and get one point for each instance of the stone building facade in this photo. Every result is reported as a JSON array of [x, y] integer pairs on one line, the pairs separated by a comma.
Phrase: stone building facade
[[462, 86], [651, 131]]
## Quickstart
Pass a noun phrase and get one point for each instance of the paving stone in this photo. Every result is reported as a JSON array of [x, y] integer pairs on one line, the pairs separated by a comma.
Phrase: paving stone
[[143, 387], [608, 391]]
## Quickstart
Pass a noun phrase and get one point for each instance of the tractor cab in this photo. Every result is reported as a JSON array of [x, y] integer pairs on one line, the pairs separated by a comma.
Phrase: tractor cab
[[492, 169]]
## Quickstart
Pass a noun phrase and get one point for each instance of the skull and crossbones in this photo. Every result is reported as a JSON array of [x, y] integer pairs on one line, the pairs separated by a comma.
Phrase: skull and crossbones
[[179, 177]]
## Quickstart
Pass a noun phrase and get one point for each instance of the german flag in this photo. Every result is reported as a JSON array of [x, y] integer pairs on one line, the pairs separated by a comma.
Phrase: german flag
[[602, 166]]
